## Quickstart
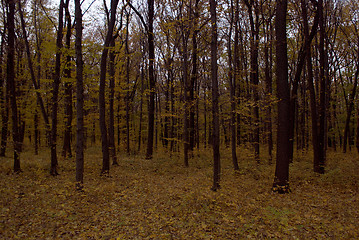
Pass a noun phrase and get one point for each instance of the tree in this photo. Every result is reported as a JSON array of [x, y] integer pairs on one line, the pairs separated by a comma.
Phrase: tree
[[55, 91], [152, 80], [281, 183], [215, 94], [102, 102], [10, 74], [79, 97], [232, 87], [66, 149]]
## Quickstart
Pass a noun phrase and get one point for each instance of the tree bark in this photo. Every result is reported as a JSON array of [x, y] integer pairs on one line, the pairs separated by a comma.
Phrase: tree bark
[[281, 179], [66, 149], [152, 81], [111, 127], [102, 101], [215, 111], [4, 103], [320, 161], [11, 85], [232, 88], [55, 92], [79, 98]]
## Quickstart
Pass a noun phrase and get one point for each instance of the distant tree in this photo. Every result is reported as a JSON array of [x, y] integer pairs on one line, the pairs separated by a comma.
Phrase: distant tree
[[281, 179]]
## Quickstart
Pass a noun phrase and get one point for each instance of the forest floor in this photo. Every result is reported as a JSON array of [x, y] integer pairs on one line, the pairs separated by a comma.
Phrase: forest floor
[[161, 199]]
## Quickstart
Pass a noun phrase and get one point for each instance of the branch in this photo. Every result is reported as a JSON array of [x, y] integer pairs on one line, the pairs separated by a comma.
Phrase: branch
[[139, 15]]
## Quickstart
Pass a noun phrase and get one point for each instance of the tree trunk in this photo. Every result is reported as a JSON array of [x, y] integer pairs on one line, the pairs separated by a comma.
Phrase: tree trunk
[[111, 127], [254, 75], [4, 100], [66, 149], [186, 99], [55, 92], [152, 81], [281, 179], [102, 101], [127, 100], [320, 162], [79, 98], [215, 95], [10, 70], [351, 105], [36, 82]]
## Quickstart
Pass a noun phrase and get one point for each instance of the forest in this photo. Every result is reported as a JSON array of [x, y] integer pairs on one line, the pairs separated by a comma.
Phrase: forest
[[190, 119]]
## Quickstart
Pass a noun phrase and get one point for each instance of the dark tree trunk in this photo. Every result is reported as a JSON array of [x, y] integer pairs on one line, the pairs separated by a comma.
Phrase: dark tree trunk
[[66, 149], [268, 87], [237, 69], [127, 99], [4, 103], [36, 82], [111, 127], [102, 101], [215, 111], [186, 99], [79, 98], [281, 179], [11, 85], [55, 92], [350, 105], [320, 162], [141, 111], [232, 88], [193, 83], [152, 81], [357, 130], [300, 66]]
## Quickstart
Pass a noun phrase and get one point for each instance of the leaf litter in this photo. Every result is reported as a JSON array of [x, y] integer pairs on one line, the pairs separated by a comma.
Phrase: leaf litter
[[161, 199]]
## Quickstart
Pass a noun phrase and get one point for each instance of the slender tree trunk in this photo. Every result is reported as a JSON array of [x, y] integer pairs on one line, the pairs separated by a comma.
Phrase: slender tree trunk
[[268, 86], [141, 112], [102, 101], [254, 75], [357, 130], [79, 98], [186, 99], [281, 179], [232, 88], [152, 81], [319, 164], [10, 71], [111, 127], [127, 89], [66, 149], [35, 81], [193, 82], [351, 105], [55, 92], [215, 94], [4, 100]]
